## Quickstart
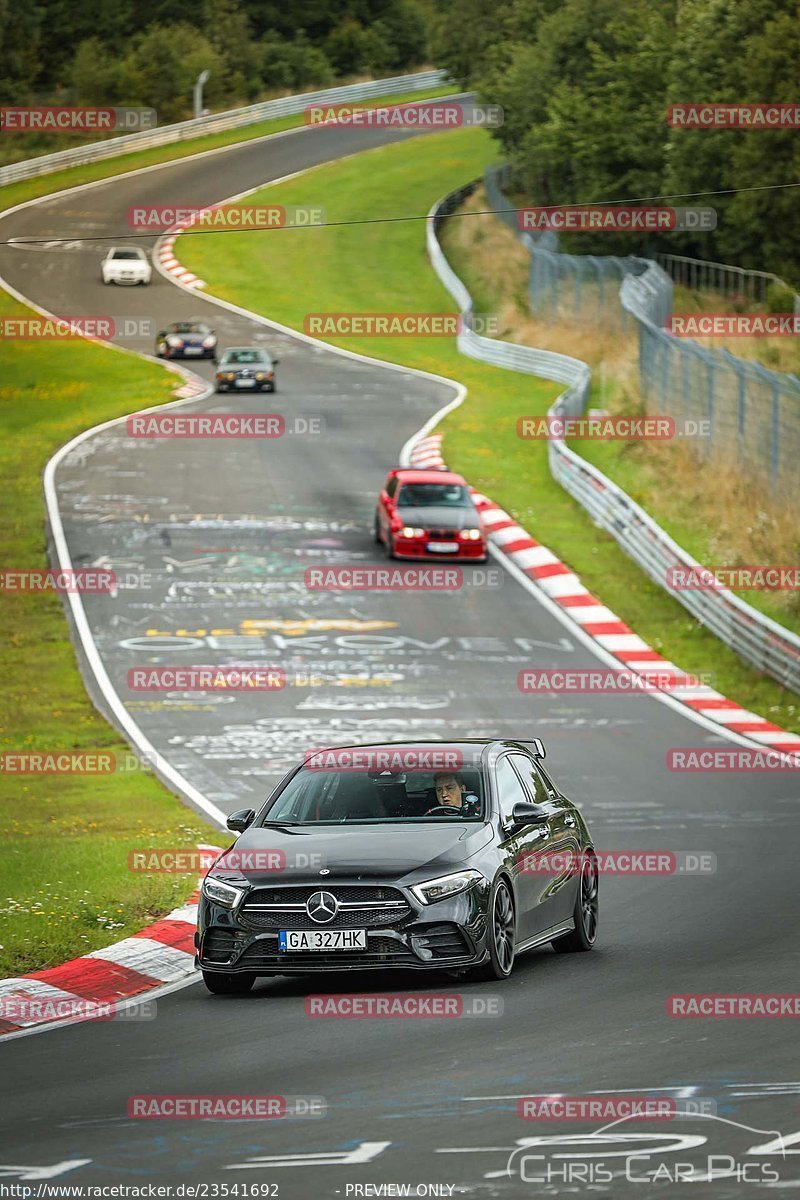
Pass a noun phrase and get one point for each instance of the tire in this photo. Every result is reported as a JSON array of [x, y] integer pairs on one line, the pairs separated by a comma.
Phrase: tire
[[226, 984], [271, 388], [585, 912], [500, 935], [389, 545], [376, 532]]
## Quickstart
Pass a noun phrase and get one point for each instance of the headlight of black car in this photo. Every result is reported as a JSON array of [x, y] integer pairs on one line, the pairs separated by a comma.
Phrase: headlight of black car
[[445, 886], [227, 895]]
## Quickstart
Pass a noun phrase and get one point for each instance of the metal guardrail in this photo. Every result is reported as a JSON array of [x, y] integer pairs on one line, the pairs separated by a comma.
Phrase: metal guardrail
[[754, 637], [544, 363], [235, 118]]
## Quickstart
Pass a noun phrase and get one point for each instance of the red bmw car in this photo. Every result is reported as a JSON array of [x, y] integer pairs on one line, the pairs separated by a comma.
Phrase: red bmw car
[[429, 514]]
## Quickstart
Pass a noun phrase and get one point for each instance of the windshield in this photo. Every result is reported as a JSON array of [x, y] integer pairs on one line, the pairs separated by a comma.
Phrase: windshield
[[244, 356], [419, 495], [127, 254], [318, 797], [190, 327]]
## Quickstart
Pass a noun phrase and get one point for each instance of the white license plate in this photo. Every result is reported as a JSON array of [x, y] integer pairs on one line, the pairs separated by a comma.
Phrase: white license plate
[[193, 350], [322, 939], [443, 547], [245, 383]]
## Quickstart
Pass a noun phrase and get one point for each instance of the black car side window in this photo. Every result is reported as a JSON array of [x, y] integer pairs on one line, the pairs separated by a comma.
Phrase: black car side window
[[533, 780], [509, 788]]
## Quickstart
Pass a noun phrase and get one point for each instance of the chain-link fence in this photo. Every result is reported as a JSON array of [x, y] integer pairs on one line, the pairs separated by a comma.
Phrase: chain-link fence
[[747, 415], [698, 275], [565, 286], [752, 635]]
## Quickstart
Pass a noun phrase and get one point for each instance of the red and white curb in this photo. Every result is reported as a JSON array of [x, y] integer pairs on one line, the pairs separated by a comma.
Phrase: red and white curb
[[565, 589], [193, 387], [97, 984], [170, 264]]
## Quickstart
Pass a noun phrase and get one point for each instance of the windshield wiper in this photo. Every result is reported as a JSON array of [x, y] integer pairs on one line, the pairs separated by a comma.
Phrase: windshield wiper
[[281, 824]]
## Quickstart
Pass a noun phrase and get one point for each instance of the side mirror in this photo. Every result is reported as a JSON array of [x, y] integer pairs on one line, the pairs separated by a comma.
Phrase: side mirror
[[526, 813], [275, 362], [241, 820]]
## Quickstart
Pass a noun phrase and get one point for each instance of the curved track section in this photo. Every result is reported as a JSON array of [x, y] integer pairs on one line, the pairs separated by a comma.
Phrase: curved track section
[[223, 537]]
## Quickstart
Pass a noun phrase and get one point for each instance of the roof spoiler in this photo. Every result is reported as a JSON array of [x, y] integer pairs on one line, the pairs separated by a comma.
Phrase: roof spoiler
[[538, 748]]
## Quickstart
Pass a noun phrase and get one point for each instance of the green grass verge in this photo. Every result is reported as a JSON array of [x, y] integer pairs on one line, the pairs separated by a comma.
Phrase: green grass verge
[[65, 839], [692, 526], [377, 268]]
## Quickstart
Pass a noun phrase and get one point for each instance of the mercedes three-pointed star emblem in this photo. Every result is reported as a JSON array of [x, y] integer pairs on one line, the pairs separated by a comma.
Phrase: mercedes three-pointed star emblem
[[322, 907]]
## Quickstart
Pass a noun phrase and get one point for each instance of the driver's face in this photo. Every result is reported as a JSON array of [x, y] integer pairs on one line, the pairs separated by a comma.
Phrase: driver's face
[[448, 791]]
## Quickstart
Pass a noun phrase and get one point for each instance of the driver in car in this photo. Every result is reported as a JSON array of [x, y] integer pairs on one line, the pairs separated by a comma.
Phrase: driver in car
[[451, 792]]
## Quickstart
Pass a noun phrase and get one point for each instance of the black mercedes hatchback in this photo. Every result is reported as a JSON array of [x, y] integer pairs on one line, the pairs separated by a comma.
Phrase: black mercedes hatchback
[[419, 855]]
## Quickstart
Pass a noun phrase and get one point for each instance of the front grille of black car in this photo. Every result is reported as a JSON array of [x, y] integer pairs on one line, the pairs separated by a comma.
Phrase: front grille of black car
[[263, 955], [344, 893], [349, 918], [373, 907], [443, 941]]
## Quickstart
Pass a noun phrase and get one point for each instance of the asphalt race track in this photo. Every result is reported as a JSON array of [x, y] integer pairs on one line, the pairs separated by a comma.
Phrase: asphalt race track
[[216, 539]]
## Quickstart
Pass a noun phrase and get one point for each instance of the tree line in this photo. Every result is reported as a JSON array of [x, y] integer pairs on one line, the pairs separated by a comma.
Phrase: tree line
[[586, 84], [148, 53]]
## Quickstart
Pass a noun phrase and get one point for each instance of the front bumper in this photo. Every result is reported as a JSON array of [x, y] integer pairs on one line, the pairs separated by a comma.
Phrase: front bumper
[[417, 548], [446, 935], [232, 385], [190, 352]]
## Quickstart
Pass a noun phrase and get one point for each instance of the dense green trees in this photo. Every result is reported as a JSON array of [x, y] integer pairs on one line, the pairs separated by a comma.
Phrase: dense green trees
[[585, 85], [148, 52]]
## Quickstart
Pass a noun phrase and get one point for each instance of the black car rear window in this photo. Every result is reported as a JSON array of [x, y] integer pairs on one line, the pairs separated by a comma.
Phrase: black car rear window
[[419, 495], [323, 797], [242, 357]]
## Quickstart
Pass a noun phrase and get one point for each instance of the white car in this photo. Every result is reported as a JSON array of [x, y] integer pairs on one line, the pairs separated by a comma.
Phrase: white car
[[125, 264]]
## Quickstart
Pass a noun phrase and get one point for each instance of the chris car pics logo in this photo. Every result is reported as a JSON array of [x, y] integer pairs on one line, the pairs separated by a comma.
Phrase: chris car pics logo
[[700, 1147]]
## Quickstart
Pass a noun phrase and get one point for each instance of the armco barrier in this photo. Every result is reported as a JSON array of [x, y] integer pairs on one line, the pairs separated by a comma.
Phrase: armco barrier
[[754, 637], [235, 118]]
